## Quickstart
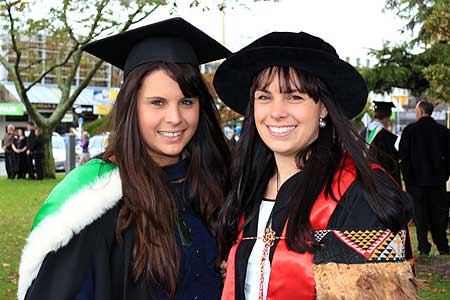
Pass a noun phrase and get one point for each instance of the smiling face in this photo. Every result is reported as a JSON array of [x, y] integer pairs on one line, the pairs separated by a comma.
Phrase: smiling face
[[287, 120], [167, 119]]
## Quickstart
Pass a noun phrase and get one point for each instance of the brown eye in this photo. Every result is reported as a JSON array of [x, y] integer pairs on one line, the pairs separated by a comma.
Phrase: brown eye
[[263, 97], [157, 102], [295, 97], [187, 102]]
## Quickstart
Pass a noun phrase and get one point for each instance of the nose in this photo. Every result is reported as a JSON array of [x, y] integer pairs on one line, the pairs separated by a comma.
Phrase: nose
[[279, 110], [173, 115]]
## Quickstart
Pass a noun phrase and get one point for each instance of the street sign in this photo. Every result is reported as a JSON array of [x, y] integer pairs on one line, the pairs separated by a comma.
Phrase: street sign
[[11, 109]]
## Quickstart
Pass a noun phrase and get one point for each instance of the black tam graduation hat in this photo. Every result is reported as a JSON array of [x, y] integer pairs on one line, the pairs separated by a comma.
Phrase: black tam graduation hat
[[173, 40], [382, 106]]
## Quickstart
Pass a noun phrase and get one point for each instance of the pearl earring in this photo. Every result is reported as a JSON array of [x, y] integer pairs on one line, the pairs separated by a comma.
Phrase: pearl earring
[[322, 123]]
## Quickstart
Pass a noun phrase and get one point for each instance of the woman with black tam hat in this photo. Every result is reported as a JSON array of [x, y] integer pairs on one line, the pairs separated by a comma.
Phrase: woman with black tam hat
[[139, 222], [309, 216]]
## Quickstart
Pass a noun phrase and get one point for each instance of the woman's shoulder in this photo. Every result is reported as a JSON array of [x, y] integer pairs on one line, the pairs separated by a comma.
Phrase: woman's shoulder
[[92, 182], [358, 207], [88, 193]]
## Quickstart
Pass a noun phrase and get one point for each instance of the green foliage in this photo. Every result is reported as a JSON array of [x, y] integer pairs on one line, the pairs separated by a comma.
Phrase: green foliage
[[432, 16], [439, 78], [426, 73], [100, 125]]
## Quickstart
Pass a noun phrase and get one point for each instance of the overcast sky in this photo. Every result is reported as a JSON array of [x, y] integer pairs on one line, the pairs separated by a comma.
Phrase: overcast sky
[[351, 26]]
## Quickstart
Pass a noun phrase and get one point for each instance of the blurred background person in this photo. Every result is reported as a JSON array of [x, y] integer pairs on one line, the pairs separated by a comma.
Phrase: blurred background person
[[20, 159], [84, 144], [381, 141], [425, 163], [29, 133], [38, 153], [7, 143]]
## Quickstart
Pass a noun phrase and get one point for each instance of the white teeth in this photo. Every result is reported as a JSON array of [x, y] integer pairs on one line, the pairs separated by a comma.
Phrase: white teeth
[[170, 134], [283, 129]]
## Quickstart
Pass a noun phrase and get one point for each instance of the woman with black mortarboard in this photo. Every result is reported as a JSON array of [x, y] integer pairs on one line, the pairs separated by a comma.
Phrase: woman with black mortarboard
[[381, 141], [309, 216], [139, 221]]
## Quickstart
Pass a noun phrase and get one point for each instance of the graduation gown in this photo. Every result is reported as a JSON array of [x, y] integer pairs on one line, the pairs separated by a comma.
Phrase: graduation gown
[[357, 251], [72, 251], [383, 147]]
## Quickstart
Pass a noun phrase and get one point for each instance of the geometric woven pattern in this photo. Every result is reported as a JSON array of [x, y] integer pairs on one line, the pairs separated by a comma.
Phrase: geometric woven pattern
[[320, 234], [365, 242], [392, 249], [374, 245]]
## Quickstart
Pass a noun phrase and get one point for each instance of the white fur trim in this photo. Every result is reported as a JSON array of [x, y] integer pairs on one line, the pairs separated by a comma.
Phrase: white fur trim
[[56, 230]]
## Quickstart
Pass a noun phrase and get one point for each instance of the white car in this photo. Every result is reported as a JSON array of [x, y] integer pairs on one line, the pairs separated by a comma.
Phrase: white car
[[59, 151]]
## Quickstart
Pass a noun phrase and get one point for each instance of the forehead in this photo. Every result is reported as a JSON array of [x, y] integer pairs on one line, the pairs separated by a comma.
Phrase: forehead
[[159, 81], [286, 78]]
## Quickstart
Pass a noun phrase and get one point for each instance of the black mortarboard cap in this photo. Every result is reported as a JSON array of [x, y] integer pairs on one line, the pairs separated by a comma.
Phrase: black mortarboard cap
[[172, 40], [383, 106]]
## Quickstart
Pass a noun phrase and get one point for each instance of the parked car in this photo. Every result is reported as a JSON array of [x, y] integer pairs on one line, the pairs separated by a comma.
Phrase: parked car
[[59, 151], [98, 144]]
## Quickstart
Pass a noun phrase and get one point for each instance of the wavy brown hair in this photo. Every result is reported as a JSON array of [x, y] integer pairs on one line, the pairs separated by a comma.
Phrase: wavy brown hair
[[148, 203]]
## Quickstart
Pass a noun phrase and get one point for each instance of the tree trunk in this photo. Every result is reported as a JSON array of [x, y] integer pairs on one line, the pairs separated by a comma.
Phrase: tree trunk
[[49, 163]]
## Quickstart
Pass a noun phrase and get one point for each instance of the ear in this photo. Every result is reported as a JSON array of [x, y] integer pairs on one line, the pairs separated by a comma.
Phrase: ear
[[323, 110]]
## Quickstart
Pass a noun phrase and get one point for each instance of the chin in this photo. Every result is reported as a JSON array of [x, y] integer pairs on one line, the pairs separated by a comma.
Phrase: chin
[[172, 152]]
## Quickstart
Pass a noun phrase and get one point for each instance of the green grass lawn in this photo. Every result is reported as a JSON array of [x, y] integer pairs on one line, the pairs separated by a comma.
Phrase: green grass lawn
[[433, 270], [20, 200]]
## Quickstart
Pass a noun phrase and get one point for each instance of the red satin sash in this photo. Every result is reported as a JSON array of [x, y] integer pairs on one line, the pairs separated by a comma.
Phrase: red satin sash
[[291, 274]]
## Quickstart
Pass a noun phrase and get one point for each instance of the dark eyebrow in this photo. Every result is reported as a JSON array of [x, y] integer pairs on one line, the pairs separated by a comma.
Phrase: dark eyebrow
[[164, 99], [285, 92], [155, 98]]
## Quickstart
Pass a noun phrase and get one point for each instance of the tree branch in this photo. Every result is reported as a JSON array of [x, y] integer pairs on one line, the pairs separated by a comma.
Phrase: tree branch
[[69, 29], [12, 31], [49, 70], [66, 103], [135, 13], [65, 91], [100, 7], [31, 64]]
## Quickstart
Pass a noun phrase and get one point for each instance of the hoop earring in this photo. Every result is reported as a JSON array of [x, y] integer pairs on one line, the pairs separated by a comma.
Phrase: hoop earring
[[322, 123]]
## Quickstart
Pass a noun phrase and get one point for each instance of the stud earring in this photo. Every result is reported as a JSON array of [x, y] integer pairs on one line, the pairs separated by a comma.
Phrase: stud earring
[[322, 123]]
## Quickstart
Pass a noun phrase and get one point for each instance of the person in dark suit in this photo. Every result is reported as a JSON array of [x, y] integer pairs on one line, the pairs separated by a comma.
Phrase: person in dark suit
[[425, 163], [381, 141], [31, 138], [38, 153]]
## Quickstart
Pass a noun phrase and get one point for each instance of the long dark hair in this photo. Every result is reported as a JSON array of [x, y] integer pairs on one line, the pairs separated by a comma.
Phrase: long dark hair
[[254, 164], [148, 203]]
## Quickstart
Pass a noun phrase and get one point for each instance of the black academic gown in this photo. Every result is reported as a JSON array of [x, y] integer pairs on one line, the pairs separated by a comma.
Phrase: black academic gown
[[93, 265], [383, 148], [352, 212]]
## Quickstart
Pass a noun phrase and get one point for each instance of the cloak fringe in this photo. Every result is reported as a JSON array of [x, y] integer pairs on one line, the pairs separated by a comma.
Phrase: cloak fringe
[[375, 281]]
